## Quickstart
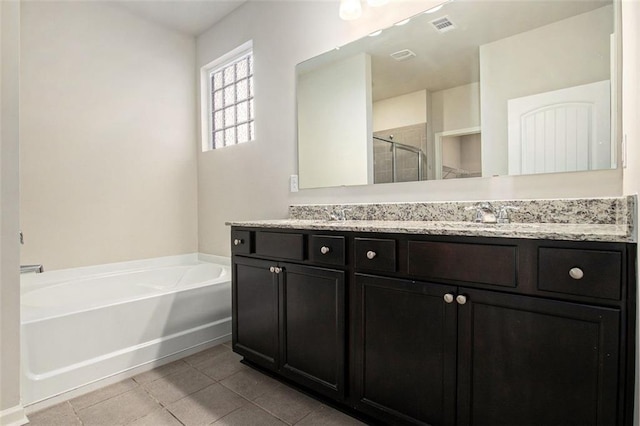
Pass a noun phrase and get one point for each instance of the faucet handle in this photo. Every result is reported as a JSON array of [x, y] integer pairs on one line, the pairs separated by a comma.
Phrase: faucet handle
[[485, 212], [503, 213], [332, 215], [478, 215]]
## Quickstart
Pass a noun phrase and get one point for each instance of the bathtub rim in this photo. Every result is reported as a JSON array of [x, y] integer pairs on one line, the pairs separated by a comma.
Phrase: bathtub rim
[[222, 334], [66, 274], [63, 275]]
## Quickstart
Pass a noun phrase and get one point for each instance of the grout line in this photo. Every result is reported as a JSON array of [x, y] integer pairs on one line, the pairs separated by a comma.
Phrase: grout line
[[75, 413], [270, 413], [105, 399], [308, 414], [226, 415], [172, 415]]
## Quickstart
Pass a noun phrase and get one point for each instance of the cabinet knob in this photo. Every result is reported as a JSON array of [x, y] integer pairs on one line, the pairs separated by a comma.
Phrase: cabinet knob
[[371, 254], [576, 273], [325, 250], [448, 298], [277, 270], [237, 242], [461, 299], [272, 269]]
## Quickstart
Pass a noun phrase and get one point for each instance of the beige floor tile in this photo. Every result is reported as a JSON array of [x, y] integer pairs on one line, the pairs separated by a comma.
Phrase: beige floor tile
[[249, 415], [103, 394], [58, 415], [176, 386], [287, 404], [250, 383], [206, 355], [206, 405], [157, 418], [327, 416], [222, 366], [119, 410], [157, 373]]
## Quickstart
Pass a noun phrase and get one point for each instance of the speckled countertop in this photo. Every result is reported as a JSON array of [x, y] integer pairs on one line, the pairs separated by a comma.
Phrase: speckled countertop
[[599, 219]]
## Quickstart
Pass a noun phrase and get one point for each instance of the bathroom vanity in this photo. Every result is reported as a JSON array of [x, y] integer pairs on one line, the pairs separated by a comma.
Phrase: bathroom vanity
[[442, 323]]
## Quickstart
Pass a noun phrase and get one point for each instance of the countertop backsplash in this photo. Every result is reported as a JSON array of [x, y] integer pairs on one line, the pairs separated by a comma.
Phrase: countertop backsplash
[[596, 211]]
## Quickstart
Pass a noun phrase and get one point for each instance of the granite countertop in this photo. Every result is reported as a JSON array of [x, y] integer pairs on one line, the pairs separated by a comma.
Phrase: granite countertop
[[551, 231], [609, 219]]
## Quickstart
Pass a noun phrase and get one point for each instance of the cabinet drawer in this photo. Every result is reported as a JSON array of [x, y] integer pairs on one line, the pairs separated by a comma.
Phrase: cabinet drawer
[[597, 273], [375, 254], [480, 263], [327, 249], [280, 244], [241, 242]]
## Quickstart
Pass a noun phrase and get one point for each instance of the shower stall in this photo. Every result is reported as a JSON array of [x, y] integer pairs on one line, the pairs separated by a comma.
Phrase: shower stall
[[397, 162]]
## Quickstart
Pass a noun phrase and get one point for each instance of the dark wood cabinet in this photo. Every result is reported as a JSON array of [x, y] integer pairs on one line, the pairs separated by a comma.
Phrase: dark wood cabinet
[[255, 311], [405, 351], [290, 319], [437, 330], [313, 328], [530, 361]]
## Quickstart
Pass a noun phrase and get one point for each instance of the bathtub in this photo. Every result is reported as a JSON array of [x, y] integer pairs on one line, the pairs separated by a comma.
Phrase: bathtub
[[83, 325]]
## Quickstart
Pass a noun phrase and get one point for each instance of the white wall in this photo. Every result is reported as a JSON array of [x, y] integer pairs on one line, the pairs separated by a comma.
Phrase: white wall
[[631, 128], [567, 53], [108, 136], [337, 133], [250, 181], [400, 111], [456, 108], [11, 411]]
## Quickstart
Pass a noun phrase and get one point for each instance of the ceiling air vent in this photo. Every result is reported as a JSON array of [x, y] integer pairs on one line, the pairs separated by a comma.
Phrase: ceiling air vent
[[443, 24], [402, 55]]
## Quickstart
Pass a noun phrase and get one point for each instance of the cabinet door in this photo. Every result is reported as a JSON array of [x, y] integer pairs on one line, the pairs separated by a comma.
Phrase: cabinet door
[[313, 328], [528, 361], [405, 351], [255, 311]]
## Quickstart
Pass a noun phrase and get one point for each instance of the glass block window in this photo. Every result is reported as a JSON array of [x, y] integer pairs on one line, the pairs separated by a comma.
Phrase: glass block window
[[231, 110]]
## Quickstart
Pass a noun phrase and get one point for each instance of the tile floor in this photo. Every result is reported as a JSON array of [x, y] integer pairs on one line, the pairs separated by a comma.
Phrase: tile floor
[[211, 387]]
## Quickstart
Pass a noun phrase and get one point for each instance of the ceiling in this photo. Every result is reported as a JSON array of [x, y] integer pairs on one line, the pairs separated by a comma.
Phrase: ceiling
[[188, 16], [449, 59]]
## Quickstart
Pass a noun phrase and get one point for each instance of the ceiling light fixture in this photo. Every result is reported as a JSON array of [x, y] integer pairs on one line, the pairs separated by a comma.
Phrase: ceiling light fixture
[[437, 8], [375, 33], [403, 22], [350, 9], [434, 9]]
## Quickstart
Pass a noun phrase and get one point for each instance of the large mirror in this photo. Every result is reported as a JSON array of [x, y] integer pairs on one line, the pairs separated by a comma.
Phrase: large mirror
[[468, 89]]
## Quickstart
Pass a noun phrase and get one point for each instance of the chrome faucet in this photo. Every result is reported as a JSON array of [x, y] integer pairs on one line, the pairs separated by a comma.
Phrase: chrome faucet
[[340, 214], [485, 213], [38, 269], [503, 214]]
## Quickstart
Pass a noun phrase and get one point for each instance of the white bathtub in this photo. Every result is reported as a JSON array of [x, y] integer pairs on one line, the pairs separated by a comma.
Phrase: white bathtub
[[83, 325]]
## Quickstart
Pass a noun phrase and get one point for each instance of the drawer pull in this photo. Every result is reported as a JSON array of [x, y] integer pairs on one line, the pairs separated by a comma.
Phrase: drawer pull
[[576, 273], [237, 242], [325, 250], [371, 254], [461, 299], [448, 298]]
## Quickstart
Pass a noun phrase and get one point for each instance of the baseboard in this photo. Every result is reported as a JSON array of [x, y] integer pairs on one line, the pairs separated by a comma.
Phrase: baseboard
[[14, 416]]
